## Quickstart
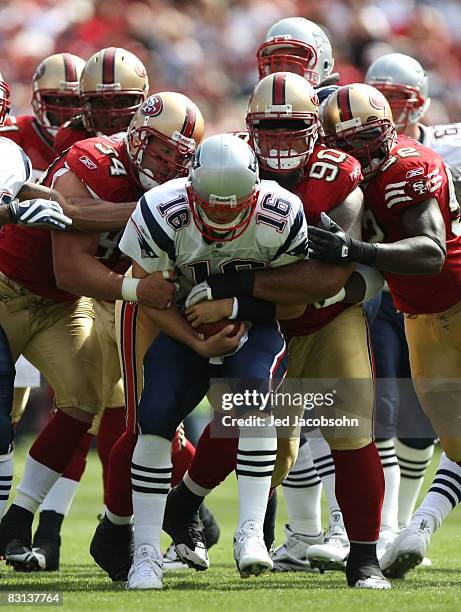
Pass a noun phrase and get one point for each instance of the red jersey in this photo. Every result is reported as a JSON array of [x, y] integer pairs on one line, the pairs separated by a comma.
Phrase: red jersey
[[412, 174], [69, 133], [103, 165], [329, 177], [36, 142]]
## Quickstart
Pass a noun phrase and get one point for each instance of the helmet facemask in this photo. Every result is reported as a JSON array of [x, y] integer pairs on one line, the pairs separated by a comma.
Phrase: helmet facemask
[[283, 54], [52, 107], [406, 103], [370, 144], [279, 149], [229, 217], [158, 158], [4, 100], [111, 111]]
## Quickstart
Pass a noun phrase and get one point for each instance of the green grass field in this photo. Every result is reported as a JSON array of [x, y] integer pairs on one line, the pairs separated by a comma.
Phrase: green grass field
[[85, 586]]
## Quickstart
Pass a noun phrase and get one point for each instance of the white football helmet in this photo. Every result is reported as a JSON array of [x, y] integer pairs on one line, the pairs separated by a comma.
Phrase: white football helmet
[[296, 45], [405, 84]]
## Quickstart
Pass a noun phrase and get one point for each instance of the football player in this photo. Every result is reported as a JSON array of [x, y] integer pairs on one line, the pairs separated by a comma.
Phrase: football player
[[413, 221], [213, 222], [283, 124], [112, 86], [55, 99], [159, 143], [15, 171], [405, 84]]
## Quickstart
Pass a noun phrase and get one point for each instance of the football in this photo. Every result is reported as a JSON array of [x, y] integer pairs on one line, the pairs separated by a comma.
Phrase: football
[[210, 329]]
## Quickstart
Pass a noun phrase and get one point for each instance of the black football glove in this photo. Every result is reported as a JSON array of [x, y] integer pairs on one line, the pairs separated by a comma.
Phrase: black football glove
[[331, 244]]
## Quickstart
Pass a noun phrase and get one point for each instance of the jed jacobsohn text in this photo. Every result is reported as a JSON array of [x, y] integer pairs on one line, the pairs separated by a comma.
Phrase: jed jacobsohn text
[[260, 401], [288, 421]]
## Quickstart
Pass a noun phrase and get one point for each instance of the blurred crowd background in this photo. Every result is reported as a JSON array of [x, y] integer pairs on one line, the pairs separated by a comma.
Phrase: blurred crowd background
[[206, 48]]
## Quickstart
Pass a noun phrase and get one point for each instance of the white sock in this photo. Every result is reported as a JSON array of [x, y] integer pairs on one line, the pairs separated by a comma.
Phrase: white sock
[[35, 484], [413, 463], [302, 489], [116, 519], [325, 466], [150, 479], [389, 513], [443, 495], [255, 464], [60, 496], [6, 479]]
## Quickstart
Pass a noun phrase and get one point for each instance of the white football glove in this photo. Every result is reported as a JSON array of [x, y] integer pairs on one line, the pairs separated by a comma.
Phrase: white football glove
[[199, 293], [39, 213]]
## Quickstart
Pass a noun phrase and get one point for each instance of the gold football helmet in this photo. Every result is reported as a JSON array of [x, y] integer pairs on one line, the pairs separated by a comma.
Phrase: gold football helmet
[[112, 86], [4, 99], [162, 137], [283, 121], [55, 97], [358, 119]]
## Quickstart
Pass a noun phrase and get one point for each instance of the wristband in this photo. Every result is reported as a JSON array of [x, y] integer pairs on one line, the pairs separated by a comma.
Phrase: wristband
[[129, 286], [255, 310], [234, 284], [235, 309], [362, 252]]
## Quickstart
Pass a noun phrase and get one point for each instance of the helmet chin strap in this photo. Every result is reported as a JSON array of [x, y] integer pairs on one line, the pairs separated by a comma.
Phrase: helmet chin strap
[[415, 116], [146, 181]]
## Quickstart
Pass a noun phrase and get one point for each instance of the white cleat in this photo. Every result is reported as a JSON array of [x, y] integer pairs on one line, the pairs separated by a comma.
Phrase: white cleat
[[291, 556], [333, 553], [386, 539], [373, 582], [146, 570], [250, 552], [171, 561], [407, 551]]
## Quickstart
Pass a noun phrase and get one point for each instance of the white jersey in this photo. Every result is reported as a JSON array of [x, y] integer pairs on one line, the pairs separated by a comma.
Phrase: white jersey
[[162, 235], [446, 141], [15, 170]]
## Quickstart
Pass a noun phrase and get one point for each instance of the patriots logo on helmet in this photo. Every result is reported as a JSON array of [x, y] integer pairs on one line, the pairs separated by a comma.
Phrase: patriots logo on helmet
[[152, 106]]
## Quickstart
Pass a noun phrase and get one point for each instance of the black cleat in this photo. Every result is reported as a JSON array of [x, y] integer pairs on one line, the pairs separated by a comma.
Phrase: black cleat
[[269, 522], [16, 538], [20, 555], [112, 548], [182, 523], [211, 530], [362, 568], [47, 539]]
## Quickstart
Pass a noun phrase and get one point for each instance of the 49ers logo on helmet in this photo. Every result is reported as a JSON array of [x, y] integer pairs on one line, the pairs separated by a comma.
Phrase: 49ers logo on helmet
[[152, 106], [377, 100], [39, 72]]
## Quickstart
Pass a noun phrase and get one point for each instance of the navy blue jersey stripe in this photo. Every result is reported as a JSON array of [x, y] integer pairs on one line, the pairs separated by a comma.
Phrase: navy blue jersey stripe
[[159, 236], [295, 228], [27, 164]]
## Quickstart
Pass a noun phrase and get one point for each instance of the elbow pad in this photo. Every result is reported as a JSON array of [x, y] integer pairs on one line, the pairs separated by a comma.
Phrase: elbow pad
[[374, 281]]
